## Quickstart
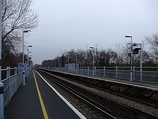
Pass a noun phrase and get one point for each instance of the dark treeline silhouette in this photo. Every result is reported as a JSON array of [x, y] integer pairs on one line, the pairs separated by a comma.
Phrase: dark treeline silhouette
[[101, 58]]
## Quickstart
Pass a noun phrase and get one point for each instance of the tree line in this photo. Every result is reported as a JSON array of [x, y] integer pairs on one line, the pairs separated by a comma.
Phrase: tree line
[[109, 57]]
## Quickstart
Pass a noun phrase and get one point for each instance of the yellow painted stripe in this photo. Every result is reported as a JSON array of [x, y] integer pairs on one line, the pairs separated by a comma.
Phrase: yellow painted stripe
[[45, 115]]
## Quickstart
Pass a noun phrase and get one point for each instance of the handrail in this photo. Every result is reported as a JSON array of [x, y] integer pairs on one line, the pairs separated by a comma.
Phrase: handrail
[[12, 79]]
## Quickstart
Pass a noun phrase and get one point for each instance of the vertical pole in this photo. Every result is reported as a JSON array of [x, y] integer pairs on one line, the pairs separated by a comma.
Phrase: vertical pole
[[82, 70], [24, 66], [23, 62], [131, 72], [68, 58], [1, 84], [68, 62], [88, 71], [8, 73], [76, 62], [27, 63], [104, 71], [1, 101], [116, 71], [93, 58], [134, 73], [9, 82], [93, 63], [79, 70], [95, 70], [141, 62], [0, 38], [15, 70]]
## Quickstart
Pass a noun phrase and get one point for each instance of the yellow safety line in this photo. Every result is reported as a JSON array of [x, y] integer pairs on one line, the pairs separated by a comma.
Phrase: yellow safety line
[[40, 99]]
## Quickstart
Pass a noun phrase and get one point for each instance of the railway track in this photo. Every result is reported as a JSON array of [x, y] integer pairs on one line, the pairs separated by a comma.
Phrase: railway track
[[108, 108]]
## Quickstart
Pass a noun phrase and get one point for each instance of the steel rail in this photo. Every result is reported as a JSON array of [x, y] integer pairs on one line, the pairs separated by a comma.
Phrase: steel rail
[[107, 112], [101, 107]]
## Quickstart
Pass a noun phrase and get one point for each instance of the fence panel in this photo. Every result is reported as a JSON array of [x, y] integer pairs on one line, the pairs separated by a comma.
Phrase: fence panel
[[11, 84], [149, 74]]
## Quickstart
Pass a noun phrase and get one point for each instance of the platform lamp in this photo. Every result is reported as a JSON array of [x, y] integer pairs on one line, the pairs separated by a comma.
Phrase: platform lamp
[[131, 54], [135, 51], [25, 31]]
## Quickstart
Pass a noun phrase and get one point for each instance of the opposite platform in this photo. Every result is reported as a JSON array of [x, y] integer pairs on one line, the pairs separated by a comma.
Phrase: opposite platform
[[36, 100]]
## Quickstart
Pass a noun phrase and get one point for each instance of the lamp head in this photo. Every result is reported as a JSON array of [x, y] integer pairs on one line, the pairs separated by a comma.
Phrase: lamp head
[[29, 46], [128, 36]]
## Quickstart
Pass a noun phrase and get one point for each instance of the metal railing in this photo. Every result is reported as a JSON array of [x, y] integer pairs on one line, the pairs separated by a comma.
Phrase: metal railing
[[11, 83], [148, 74], [12, 78]]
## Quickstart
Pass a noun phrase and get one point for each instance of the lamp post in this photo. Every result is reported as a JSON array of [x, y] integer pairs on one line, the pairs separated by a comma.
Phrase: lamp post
[[141, 62], [93, 58], [131, 55], [28, 61], [26, 31], [135, 51]]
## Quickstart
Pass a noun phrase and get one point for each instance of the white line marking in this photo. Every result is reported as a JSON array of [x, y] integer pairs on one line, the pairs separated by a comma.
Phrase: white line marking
[[70, 105]]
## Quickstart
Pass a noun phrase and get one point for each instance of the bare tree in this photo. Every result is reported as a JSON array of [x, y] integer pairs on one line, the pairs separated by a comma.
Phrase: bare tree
[[153, 42], [16, 17], [81, 56]]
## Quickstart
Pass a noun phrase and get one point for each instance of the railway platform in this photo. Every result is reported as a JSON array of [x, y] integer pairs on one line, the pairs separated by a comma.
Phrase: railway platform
[[141, 90], [37, 100]]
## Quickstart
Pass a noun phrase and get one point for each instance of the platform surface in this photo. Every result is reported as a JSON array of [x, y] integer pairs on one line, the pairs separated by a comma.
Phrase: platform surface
[[26, 104]]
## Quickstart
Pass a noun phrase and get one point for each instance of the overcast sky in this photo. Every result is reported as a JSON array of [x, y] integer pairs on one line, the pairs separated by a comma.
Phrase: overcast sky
[[79, 24]]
